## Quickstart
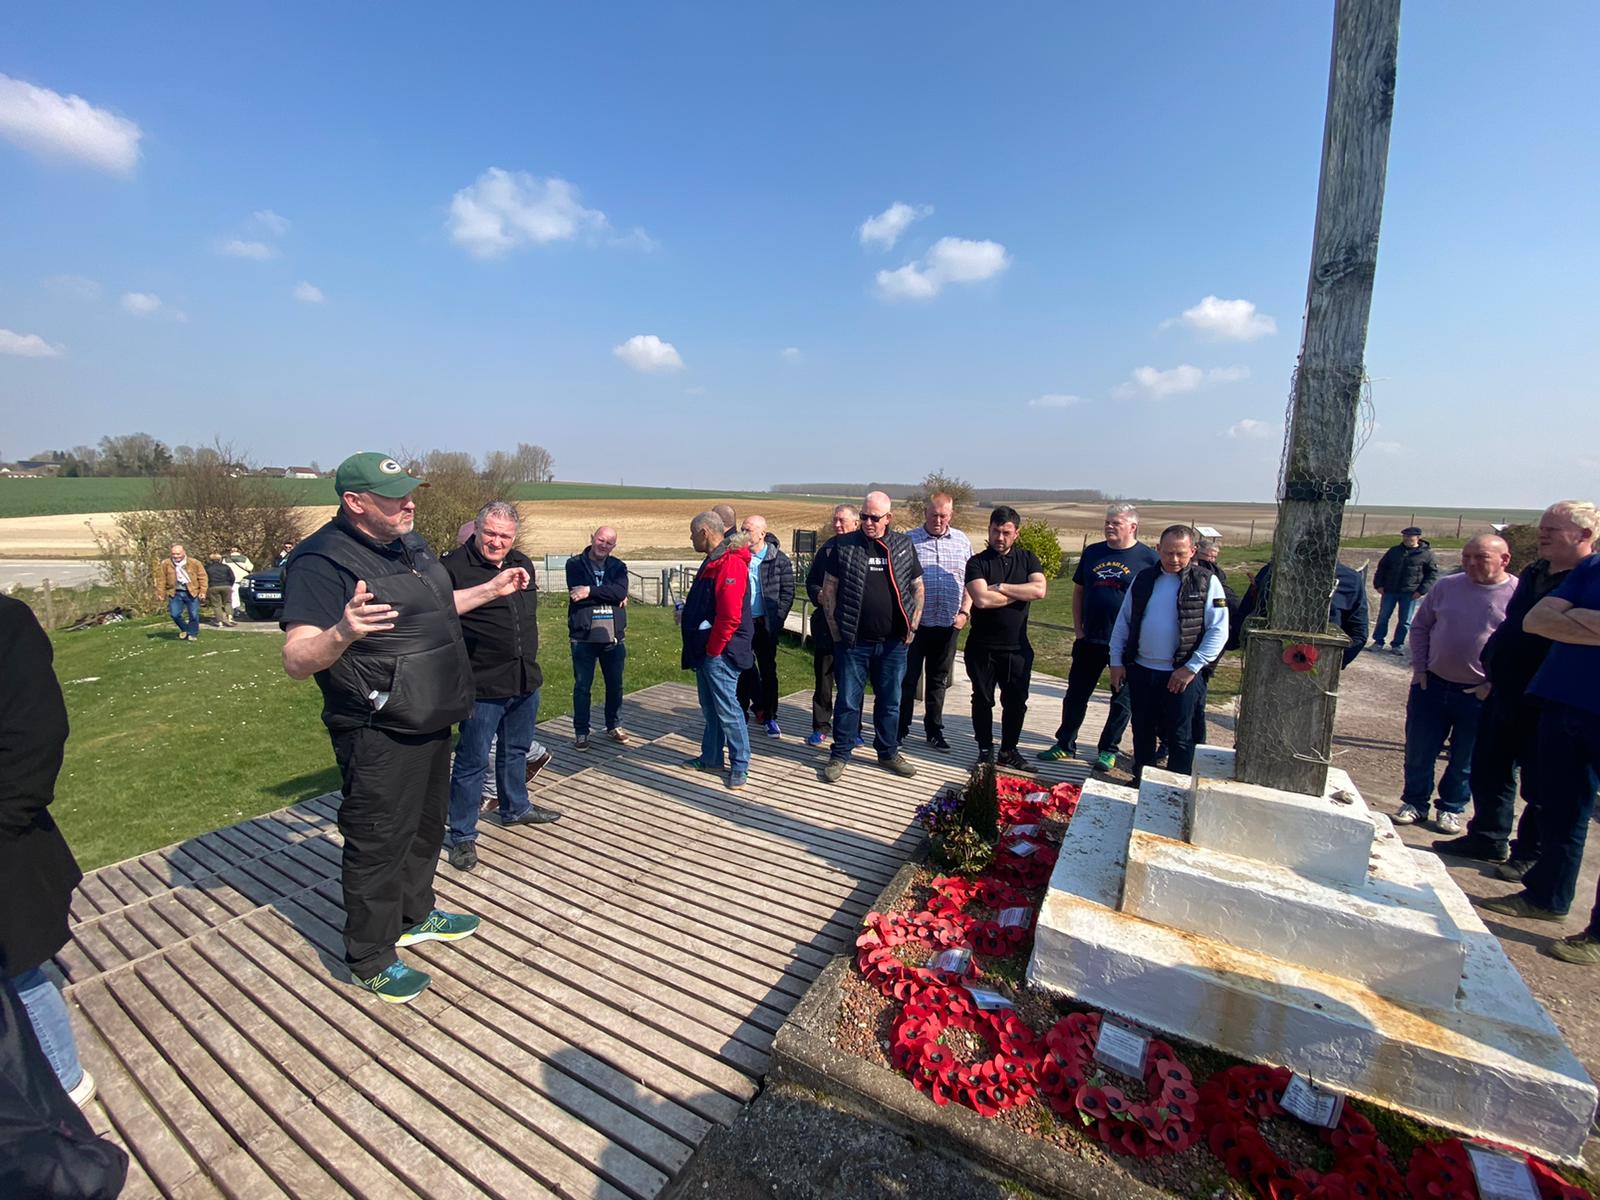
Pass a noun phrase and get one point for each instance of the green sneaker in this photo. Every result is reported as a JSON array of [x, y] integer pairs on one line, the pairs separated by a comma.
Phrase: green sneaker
[[699, 764], [1582, 949], [395, 984], [1106, 760], [439, 926], [1055, 754], [1520, 906]]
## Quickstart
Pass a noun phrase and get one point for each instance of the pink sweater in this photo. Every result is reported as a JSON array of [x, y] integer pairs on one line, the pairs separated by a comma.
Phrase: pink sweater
[[1453, 622]]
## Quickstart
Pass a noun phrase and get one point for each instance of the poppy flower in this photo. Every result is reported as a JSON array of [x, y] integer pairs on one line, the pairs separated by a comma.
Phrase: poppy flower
[[1300, 656], [1092, 1102]]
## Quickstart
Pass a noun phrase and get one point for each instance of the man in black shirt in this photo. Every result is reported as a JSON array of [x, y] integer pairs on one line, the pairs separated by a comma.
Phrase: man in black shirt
[[502, 639], [370, 612], [844, 521], [872, 593], [1002, 581], [1103, 574]]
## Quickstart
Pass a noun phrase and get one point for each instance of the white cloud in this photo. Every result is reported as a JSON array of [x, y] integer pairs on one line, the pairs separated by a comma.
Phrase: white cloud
[[270, 221], [884, 230], [27, 345], [1249, 428], [236, 248], [647, 353], [1157, 384], [951, 260], [308, 293], [147, 304], [54, 125], [504, 210], [1054, 400], [1226, 320], [791, 354], [74, 287], [1385, 447]]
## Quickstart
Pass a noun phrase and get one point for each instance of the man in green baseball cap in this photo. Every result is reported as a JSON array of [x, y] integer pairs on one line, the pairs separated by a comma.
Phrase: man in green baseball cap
[[371, 613]]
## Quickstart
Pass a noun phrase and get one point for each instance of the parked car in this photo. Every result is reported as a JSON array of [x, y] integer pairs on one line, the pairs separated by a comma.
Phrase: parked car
[[261, 594]]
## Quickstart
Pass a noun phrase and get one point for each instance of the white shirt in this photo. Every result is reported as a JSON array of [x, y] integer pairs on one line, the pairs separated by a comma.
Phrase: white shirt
[[1158, 632]]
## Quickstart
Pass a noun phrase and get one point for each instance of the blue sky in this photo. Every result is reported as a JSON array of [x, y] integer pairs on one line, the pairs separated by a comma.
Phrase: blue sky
[[634, 234]]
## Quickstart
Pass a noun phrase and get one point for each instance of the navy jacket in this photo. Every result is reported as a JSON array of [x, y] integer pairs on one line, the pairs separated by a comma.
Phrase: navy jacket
[[1347, 608], [610, 594]]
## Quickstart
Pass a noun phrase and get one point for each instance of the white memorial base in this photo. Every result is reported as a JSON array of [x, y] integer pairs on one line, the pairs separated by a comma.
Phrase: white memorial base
[[1275, 942]]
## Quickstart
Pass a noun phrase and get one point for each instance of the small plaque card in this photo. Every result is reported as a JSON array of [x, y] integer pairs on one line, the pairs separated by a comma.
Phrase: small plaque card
[[1122, 1047], [1314, 1105], [1501, 1176]]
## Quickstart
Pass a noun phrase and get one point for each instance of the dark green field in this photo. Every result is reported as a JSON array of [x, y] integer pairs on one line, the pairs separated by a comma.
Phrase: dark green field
[[59, 497]]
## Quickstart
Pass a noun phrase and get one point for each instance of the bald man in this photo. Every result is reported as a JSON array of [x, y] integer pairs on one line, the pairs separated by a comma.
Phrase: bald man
[[597, 619], [872, 593], [1448, 684]]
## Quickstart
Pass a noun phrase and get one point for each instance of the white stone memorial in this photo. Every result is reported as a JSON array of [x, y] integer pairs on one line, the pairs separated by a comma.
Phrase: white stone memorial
[[1300, 931]]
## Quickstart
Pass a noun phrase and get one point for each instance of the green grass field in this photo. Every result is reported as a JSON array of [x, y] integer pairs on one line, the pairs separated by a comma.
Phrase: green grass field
[[171, 739], [59, 497]]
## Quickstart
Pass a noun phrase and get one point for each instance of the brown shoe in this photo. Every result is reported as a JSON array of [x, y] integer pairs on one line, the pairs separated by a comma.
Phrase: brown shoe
[[619, 735], [535, 765]]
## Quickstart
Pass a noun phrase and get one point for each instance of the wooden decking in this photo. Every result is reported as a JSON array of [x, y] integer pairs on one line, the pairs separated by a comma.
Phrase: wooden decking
[[621, 998]]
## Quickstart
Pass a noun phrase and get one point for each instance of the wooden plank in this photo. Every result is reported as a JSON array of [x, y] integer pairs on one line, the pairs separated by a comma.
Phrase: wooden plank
[[514, 1156], [282, 1097], [116, 881], [94, 890]]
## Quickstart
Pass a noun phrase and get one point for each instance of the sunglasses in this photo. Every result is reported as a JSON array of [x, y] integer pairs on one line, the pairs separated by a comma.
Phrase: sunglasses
[[866, 516]]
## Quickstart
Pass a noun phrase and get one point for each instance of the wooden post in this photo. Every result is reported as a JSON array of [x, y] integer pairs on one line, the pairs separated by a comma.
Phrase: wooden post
[[1363, 523], [49, 606], [1458, 524], [1284, 739], [1252, 531]]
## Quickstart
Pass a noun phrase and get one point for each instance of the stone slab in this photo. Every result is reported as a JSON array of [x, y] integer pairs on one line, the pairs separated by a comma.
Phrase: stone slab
[[1328, 837], [1396, 940], [1492, 1065]]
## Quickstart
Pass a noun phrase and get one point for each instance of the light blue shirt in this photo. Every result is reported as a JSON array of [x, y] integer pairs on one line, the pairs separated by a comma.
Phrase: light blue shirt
[[1158, 632], [756, 555], [944, 573]]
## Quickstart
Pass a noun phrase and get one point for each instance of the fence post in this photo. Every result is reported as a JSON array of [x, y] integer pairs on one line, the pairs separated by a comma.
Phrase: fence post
[[1252, 533], [49, 606], [1458, 524], [1363, 523]]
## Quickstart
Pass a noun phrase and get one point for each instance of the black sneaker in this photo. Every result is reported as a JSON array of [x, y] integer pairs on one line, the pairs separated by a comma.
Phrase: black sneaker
[[1010, 758], [534, 816], [936, 740], [464, 856], [1471, 845], [1512, 870], [1160, 760]]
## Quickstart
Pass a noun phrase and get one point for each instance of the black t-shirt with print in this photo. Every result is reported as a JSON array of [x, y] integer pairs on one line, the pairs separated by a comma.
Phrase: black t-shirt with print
[[1001, 628], [1105, 574], [881, 618]]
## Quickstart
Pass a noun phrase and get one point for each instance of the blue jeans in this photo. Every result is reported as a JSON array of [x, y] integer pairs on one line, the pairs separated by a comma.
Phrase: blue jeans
[[1569, 760], [853, 664], [513, 719], [1391, 601], [717, 680], [184, 610], [1162, 717], [47, 1012], [584, 657], [1440, 711]]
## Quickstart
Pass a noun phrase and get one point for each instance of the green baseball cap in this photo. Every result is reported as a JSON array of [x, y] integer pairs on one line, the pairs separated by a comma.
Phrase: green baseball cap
[[375, 473]]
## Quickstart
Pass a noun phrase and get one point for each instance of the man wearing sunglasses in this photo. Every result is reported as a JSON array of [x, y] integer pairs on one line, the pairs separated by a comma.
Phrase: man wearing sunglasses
[[872, 595]]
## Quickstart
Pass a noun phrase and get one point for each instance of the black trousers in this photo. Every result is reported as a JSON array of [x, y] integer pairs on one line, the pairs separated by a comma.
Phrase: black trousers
[[1507, 746], [1160, 716], [396, 792], [1011, 671], [822, 692], [758, 687], [1089, 661], [935, 647]]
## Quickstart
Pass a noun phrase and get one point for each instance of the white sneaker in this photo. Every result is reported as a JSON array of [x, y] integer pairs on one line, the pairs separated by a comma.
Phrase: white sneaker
[[84, 1092], [1409, 814], [1448, 822]]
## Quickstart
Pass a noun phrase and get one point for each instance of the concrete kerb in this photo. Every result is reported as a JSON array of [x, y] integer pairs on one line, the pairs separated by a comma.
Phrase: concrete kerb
[[804, 1055]]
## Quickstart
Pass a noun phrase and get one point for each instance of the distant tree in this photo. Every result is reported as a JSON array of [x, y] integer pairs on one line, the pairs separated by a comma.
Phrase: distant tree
[[1040, 537], [934, 482], [210, 505], [436, 462], [81, 461], [534, 464], [134, 454]]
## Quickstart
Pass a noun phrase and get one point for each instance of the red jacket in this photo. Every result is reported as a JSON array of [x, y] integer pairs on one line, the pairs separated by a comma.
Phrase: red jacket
[[730, 573]]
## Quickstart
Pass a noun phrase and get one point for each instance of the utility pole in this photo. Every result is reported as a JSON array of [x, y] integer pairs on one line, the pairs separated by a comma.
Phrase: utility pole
[[1286, 711]]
